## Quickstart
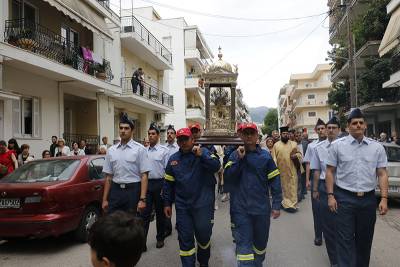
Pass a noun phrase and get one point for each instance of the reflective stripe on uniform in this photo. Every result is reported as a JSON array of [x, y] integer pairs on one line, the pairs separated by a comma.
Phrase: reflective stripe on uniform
[[187, 253], [245, 257], [273, 174], [228, 164], [204, 247], [259, 252], [232, 225], [212, 221], [213, 156], [169, 178]]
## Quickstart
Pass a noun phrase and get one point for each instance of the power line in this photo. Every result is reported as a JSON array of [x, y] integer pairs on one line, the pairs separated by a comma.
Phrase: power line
[[225, 35], [229, 17], [287, 54]]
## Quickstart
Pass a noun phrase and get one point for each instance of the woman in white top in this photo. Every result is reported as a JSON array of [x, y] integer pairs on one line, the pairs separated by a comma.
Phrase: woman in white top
[[76, 151], [61, 149]]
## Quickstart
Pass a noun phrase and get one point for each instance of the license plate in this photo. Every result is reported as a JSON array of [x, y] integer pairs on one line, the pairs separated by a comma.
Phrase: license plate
[[10, 203]]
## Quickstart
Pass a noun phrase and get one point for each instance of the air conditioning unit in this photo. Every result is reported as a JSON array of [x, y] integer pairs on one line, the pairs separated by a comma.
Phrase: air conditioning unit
[[157, 117]]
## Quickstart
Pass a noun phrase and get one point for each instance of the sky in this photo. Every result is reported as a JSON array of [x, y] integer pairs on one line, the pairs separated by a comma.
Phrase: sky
[[266, 52]]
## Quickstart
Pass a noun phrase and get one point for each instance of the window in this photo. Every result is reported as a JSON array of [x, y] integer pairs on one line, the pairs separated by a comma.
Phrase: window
[[96, 169], [312, 114], [26, 117], [70, 36], [24, 9], [308, 85], [311, 96]]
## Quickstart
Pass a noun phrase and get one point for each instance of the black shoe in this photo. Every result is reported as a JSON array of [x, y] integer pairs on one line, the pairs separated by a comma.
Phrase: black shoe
[[291, 210], [160, 244], [318, 241], [166, 234]]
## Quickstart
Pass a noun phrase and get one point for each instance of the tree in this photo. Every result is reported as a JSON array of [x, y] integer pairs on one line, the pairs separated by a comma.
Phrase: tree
[[270, 121]]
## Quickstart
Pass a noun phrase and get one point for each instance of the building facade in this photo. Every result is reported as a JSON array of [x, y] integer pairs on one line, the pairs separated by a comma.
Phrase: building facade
[[65, 70], [305, 99]]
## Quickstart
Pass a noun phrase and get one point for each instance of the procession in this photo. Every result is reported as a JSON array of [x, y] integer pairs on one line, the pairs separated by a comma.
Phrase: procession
[[168, 133]]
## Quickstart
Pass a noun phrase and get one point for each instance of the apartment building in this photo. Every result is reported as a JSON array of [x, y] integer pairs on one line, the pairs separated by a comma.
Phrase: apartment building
[[65, 69]]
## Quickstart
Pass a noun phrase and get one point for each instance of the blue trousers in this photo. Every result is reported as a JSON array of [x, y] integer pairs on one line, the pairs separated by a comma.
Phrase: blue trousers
[[315, 204], [194, 223], [125, 199], [251, 234], [355, 224], [153, 197], [328, 223]]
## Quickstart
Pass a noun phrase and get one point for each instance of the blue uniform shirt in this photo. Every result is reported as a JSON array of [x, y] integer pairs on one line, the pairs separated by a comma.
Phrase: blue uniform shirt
[[189, 180], [320, 155], [252, 177], [310, 151], [127, 162], [173, 148], [158, 157], [356, 163]]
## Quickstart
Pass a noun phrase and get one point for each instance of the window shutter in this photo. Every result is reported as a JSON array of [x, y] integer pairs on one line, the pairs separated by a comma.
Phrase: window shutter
[[16, 117], [37, 123]]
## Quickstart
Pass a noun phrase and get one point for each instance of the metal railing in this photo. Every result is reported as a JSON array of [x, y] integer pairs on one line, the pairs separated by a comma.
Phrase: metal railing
[[130, 24], [147, 91], [92, 141], [33, 37], [106, 5]]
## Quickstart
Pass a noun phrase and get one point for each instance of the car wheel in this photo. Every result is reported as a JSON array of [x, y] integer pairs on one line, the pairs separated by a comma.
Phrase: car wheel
[[89, 217]]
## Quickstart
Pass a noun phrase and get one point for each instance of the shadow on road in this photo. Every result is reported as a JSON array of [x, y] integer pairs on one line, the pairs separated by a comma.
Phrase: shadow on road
[[34, 246]]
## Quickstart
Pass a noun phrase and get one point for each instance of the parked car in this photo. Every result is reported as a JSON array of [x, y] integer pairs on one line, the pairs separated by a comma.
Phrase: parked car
[[51, 197], [393, 169]]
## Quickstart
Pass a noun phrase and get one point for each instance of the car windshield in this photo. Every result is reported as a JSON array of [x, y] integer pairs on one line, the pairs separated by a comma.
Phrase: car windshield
[[43, 171], [393, 153]]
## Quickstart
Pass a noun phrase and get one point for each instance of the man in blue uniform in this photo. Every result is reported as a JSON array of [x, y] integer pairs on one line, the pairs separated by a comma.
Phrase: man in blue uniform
[[253, 172], [357, 161], [173, 148], [318, 166], [190, 181], [126, 167], [320, 129], [158, 158]]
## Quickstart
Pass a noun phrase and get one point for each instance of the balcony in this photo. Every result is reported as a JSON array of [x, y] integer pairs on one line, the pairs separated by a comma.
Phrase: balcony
[[39, 40], [194, 57], [194, 84], [139, 41], [195, 114], [312, 103], [150, 97]]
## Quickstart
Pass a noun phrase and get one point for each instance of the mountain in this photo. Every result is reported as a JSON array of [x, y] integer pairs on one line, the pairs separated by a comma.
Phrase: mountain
[[257, 114]]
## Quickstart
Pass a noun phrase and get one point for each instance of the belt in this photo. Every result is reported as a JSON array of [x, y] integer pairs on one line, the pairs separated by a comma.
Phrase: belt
[[126, 185], [357, 194]]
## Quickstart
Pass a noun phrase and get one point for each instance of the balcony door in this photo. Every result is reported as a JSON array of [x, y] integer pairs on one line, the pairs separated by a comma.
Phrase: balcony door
[[25, 9]]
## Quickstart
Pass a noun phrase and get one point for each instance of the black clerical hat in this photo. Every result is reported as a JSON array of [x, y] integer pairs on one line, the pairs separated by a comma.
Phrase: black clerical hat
[[319, 122], [355, 113], [284, 129], [334, 120], [125, 119]]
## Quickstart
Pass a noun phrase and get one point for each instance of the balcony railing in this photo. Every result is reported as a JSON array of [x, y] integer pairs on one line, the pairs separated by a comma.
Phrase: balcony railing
[[40, 40], [129, 24], [106, 5], [148, 92]]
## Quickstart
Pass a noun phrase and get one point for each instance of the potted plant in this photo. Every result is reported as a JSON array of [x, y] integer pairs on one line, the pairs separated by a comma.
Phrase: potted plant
[[101, 72], [26, 39]]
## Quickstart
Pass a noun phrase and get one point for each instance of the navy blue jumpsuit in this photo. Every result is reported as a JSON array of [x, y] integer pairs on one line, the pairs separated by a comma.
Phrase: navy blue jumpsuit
[[252, 178], [190, 181]]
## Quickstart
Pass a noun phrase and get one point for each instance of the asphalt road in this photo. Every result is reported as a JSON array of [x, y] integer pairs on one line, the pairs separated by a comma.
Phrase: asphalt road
[[290, 244]]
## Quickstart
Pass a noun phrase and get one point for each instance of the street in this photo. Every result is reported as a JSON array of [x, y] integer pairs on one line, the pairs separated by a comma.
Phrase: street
[[290, 244]]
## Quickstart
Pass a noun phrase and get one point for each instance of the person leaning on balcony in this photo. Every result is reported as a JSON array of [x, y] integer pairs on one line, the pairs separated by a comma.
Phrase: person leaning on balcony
[[61, 150], [137, 80], [126, 168]]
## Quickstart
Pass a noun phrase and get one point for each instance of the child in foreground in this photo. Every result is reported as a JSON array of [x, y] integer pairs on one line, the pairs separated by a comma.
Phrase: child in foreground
[[116, 240]]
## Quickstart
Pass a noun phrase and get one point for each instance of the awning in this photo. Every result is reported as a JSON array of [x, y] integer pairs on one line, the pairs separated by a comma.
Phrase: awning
[[83, 14], [391, 38]]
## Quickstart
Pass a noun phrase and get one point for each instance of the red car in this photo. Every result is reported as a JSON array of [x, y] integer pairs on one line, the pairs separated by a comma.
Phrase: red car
[[51, 197]]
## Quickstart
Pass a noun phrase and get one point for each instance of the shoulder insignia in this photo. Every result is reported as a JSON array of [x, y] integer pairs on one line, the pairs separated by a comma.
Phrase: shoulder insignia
[[174, 163]]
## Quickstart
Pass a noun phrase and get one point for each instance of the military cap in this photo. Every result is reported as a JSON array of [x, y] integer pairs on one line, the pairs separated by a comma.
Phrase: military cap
[[125, 119], [334, 120], [171, 127], [153, 126], [355, 114], [319, 122]]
